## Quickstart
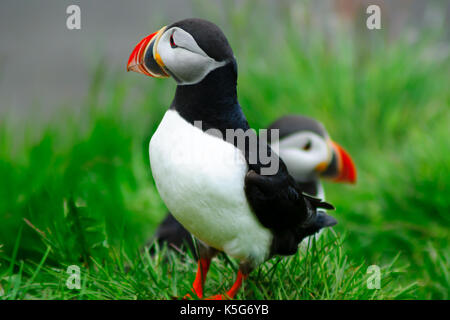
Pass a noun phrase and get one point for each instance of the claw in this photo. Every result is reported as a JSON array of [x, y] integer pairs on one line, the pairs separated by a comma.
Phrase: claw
[[218, 297], [232, 292]]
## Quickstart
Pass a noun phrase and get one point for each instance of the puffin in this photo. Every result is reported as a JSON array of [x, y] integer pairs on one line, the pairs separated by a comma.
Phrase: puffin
[[223, 192], [309, 154]]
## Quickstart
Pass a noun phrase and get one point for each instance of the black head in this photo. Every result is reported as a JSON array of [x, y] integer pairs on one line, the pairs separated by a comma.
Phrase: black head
[[208, 36], [187, 50], [292, 124]]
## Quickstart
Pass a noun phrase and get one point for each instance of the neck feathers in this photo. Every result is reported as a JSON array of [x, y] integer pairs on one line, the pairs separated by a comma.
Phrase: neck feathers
[[212, 101]]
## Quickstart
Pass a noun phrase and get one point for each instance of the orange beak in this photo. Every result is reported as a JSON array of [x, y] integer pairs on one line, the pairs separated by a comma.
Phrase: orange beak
[[340, 168], [145, 59], [346, 168]]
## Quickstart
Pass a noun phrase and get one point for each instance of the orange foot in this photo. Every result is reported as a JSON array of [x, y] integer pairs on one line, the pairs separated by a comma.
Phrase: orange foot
[[218, 297], [197, 286], [187, 296], [232, 292]]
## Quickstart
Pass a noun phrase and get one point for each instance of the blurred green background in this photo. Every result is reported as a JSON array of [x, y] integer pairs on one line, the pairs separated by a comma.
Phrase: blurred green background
[[75, 181]]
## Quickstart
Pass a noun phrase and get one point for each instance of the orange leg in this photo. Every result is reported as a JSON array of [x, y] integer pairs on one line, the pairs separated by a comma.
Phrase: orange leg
[[202, 270], [234, 289]]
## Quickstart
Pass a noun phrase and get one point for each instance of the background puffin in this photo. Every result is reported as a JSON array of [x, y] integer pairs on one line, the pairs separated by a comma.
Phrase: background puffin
[[309, 154], [215, 188]]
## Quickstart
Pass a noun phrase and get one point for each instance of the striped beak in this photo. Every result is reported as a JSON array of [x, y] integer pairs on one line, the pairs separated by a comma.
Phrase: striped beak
[[145, 58], [341, 167]]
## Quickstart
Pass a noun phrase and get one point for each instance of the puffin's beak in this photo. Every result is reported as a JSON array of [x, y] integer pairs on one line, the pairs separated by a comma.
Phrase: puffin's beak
[[145, 58], [341, 167]]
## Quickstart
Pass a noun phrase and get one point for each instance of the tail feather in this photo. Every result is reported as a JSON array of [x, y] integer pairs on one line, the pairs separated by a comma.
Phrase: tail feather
[[317, 202]]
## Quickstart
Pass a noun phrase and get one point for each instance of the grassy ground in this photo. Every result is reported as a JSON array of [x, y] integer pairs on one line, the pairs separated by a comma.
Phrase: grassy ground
[[78, 189]]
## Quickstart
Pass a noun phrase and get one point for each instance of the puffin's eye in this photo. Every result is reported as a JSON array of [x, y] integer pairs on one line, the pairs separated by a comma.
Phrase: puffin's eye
[[172, 42], [307, 146]]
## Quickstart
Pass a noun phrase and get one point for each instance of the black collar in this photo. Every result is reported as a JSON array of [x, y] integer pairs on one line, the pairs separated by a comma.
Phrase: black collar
[[212, 101]]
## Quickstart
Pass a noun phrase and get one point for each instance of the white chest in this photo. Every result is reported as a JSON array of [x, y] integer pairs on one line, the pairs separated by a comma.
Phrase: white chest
[[201, 180]]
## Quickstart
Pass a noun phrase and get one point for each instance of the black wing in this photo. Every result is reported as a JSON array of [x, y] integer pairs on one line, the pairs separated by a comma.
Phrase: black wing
[[276, 199], [279, 202]]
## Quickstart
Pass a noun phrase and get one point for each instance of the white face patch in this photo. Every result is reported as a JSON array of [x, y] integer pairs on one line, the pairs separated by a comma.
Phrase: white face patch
[[302, 152], [185, 60]]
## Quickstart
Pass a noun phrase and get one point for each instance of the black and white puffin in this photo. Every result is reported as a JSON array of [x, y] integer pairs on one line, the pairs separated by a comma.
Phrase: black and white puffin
[[214, 188], [309, 154]]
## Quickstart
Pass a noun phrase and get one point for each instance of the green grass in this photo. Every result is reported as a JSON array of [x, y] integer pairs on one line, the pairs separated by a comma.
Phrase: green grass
[[78, 189]]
